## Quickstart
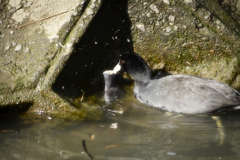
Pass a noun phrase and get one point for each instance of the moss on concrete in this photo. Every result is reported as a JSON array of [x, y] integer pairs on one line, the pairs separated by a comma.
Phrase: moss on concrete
[[205, 51]]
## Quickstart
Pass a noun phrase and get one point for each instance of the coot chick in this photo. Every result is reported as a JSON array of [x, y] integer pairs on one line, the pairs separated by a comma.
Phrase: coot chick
[[112, 90], [178, 93]]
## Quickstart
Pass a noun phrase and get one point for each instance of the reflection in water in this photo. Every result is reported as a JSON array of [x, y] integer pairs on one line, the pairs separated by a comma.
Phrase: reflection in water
[[212, 150], [128, 131], [220, 129], [85, 149]]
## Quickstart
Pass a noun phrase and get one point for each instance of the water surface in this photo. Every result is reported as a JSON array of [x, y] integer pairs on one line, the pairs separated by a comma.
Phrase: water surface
[[128, 131]]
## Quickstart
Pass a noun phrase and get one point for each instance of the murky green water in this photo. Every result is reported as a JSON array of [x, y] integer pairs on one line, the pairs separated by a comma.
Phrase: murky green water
[[128, 131]]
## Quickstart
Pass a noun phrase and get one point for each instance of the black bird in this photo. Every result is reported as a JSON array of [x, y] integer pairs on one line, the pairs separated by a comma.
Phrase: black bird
[[178, 93]]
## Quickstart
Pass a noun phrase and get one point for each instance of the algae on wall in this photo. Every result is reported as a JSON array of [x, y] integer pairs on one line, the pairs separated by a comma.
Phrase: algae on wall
[[187, 37]]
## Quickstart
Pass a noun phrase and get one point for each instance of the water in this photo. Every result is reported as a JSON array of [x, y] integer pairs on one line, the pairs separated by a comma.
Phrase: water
[[128, 131]]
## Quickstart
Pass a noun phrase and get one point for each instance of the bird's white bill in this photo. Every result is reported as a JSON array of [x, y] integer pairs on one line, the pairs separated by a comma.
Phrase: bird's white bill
[[117, 68]]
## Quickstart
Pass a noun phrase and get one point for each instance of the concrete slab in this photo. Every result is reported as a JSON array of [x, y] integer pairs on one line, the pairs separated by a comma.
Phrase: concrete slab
[[30, 54]]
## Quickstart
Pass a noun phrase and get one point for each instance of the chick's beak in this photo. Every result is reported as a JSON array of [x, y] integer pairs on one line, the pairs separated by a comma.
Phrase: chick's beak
[[117, 68]]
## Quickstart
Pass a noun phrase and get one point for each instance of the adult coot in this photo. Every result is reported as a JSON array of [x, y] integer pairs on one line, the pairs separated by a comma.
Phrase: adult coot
[[178, 93]]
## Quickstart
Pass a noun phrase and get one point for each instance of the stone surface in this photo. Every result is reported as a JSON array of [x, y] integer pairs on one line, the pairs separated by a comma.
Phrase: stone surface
[[7, 46], [14, 43], [33, 52], [20, 15], [53, 25], [166, 2], [18, 48], [28, 4], [18, 6], [175, 28], [12, 11], [89, 11], [154, 8], [14, 3], [140, 26], [171, 18], [168, 29], [189, 37], [188, 1], [238, 4]]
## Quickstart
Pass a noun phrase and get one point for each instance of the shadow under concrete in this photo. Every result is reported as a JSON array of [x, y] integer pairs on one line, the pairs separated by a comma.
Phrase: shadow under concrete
[[108, 35]]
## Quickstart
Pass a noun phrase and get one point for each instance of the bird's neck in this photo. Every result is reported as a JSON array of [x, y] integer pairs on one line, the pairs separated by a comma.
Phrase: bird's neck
[[143, 77]]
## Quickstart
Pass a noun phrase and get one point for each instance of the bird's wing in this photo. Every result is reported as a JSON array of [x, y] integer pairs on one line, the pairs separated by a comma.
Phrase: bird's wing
[[190, 95]]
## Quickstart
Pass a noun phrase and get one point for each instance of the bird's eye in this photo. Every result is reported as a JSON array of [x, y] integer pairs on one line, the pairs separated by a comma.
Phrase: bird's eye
[[122, 61]]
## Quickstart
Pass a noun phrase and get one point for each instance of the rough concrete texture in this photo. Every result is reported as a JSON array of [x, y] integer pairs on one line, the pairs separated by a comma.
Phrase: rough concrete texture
[[196, 37], [31, 55]]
